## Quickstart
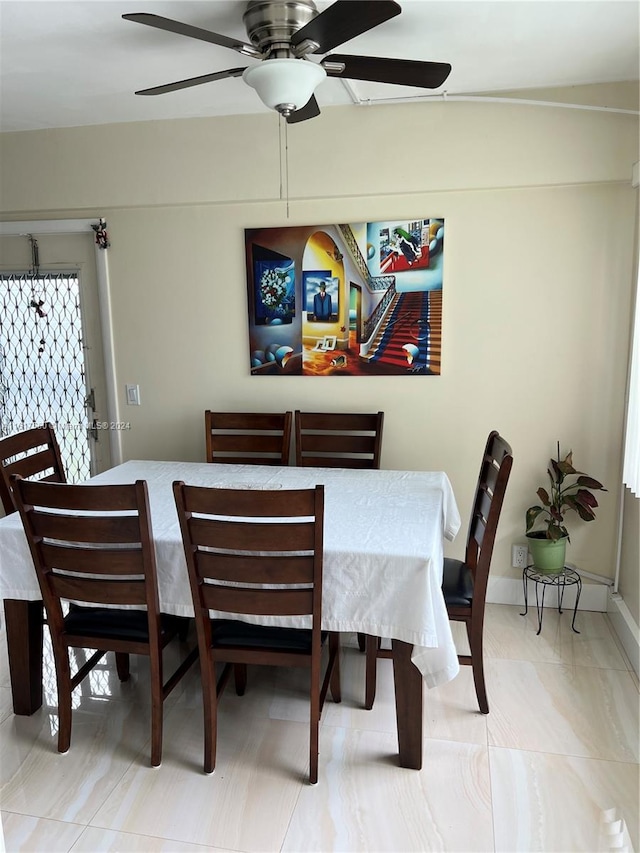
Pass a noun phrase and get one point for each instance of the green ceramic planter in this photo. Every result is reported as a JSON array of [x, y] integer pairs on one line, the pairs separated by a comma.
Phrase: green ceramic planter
[[548, 556]]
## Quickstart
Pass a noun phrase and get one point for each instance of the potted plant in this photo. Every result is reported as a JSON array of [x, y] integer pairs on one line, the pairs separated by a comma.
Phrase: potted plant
[[570, 490]]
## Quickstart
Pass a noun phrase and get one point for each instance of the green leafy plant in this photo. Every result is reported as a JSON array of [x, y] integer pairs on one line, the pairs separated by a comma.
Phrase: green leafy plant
[[564, 495]]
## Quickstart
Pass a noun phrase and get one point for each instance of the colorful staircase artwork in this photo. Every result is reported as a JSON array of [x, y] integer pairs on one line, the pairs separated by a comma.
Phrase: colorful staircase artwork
[[413, 330]]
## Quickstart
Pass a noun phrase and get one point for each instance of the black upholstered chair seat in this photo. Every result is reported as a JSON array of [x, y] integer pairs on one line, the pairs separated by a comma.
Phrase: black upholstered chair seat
[[457, 583], [233, 632], [114, 623]]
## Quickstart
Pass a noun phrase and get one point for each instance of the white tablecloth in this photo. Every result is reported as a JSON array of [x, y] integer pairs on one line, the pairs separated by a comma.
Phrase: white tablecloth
[[383, 548]]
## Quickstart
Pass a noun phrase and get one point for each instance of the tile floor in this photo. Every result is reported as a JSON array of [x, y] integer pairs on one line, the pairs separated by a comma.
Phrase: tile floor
[[553, 767]]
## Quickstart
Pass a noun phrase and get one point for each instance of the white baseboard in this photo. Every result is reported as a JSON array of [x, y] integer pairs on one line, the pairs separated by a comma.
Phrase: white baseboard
[[626, 629], [502, 590]]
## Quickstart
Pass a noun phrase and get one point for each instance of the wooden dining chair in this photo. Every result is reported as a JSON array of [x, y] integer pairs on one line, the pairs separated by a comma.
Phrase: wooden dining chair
[[465, 581], [33, 453], [338, 439], [93, 545], [252, 554], [248, 438]]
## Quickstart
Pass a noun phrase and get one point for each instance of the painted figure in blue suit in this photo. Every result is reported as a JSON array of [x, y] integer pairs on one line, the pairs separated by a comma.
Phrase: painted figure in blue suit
[[322, 304]]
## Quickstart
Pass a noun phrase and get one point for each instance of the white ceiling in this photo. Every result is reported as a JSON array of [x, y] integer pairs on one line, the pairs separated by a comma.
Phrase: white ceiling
[[66, 64]]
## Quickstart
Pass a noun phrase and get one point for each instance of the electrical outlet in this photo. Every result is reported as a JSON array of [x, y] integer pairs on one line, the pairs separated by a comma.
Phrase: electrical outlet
[[519, 555]]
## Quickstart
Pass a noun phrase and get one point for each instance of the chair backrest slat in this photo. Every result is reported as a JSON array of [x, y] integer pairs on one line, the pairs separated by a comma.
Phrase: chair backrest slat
[[476, 534], [246, 444], [242, 536], [258, 602], [339, 443], [338, 440], [483, 504], [37, 453], [246, 568], [96, 591], [490, 473], [107, 561], [341, 421], [92, 529], [117, 497], [248, 438], [275, 503]]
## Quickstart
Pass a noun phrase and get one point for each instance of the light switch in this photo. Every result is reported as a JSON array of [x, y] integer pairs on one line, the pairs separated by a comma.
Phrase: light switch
[[133, 395]]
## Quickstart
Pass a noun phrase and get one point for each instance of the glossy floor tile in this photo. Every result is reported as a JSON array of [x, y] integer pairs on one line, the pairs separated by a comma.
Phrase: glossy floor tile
[[364, 801], [557, 802], [553, 767], [36, 834], [578, 710], [6, 707]]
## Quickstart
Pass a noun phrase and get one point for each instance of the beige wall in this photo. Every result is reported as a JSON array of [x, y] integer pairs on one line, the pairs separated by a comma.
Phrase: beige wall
[[540, 219]]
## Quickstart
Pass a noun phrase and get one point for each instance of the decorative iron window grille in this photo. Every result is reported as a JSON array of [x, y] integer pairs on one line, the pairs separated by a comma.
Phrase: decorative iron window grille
[[42, 367]]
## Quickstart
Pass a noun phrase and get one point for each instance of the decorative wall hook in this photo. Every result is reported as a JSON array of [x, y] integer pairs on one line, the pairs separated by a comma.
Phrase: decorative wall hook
[[102, 239]]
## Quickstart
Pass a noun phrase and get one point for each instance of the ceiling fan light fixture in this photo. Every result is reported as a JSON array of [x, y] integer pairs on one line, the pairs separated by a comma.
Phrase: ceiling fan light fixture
[[285, 85], [283, 34]]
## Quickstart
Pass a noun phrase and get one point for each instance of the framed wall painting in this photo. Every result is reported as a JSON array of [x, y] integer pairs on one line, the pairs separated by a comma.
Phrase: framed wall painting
[[357, 299]]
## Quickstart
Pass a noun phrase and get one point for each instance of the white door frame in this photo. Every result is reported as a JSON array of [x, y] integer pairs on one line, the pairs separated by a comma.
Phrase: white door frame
[[76, 226]]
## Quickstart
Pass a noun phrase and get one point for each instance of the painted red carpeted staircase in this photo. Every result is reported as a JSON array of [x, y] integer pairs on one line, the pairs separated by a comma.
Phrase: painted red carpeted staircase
[[415, 318]]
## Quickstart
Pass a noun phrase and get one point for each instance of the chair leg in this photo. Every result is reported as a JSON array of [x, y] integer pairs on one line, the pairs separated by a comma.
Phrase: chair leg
[[314, 724], [240, 678], [334, 680], [63, 678], [372, 646], [474, 633], [210, 705], [362, 641], [122, 666], [156, 706]]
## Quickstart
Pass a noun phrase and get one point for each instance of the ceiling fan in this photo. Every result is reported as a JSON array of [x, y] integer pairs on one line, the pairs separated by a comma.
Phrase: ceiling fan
[[284, 34]]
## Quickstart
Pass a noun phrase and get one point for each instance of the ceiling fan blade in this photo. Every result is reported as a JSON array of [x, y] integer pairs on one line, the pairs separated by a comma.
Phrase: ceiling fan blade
[[344, 20], [310, 110], [402, 72], [181, 29], [192, 81]]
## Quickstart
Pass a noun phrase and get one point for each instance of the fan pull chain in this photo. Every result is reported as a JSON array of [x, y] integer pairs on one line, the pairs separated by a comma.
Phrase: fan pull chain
[[286, 160], [283, 148], [280, 150]]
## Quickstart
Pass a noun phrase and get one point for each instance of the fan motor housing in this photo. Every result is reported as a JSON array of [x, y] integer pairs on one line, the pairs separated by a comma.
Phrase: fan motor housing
[[270, 25]]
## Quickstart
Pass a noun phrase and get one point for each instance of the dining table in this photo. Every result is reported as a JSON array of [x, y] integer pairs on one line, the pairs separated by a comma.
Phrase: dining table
[[384, 535]]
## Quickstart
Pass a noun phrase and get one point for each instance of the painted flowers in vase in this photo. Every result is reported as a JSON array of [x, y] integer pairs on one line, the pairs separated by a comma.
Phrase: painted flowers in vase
[[275, 287]]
